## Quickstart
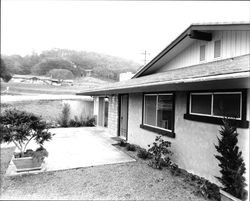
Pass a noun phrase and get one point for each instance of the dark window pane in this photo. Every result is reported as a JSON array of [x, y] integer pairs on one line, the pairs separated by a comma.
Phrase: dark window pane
[[150, 110], [202, 52], [165, 111], [217, 48], [201, 104], [227, 105]]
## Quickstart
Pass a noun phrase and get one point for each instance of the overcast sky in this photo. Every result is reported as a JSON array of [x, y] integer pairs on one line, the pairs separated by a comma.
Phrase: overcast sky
[[123, 28]]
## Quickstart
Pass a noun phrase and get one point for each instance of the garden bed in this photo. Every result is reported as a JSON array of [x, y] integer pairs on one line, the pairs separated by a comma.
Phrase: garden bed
[[198, 185]]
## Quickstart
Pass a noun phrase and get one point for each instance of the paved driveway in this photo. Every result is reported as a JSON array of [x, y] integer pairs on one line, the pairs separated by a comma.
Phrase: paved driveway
[[79, 147]]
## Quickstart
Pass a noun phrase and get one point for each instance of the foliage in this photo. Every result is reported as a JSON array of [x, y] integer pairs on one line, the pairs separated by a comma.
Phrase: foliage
[[61, 74], [159, 150], [202, 186], [143, 154], [21, 127], [82, 122], [43, 67], [64, 118], [123, 143], [130, 147], [38, 155], [103, 66], [4, 74], [231, 161], [90, 122], [76, 122]]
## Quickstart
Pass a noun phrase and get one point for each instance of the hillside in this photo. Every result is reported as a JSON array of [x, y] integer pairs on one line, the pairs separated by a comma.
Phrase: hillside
[[68, 64]]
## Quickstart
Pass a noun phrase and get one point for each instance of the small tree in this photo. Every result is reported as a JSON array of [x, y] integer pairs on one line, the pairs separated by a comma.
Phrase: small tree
[[231, 161], [64, 118], [21, 127]]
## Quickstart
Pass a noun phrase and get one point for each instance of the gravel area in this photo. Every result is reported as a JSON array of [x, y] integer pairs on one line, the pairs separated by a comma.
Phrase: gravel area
[[126, 181]]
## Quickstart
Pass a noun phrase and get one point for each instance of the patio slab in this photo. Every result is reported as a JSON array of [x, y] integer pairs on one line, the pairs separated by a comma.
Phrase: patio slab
[[78, 147]]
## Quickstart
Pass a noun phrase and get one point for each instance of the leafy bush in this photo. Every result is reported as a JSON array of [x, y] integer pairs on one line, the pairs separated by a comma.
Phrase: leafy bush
[[39, 154], [76, 122], [131, 147], [90, 121], [123, 143], [64, 118], [231, 161], [143, 154], [81, 122], [159, 150], [21, 127]]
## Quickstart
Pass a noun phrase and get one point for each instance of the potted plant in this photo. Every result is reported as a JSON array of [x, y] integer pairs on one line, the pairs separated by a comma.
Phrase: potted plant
[[20, 127], [231, 164]]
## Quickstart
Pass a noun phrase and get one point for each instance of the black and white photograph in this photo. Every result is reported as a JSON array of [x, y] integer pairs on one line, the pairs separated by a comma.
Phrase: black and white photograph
[[125, 100]]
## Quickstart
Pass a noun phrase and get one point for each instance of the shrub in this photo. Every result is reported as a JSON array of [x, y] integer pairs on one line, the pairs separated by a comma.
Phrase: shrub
[[143, 154], [39, 154], [75, 122], [21, 127], [159, 150], [231, 161], [131, 147], [64, 118], [123, 143], [81, 122], [90, 121]]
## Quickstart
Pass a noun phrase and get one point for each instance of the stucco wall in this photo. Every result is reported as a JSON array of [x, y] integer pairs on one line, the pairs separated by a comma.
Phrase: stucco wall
[[193, 146], [80, 108]]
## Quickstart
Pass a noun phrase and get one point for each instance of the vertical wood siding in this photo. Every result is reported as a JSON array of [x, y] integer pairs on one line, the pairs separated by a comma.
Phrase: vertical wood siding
[[233, 43]]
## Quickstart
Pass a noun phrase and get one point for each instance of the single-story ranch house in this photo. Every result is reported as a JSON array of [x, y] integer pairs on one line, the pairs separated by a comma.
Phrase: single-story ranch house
[[183, 94]]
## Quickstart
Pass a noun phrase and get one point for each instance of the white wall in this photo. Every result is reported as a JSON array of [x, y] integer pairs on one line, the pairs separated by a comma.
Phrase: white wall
[[80, 108], [193, 146], [233, 43]]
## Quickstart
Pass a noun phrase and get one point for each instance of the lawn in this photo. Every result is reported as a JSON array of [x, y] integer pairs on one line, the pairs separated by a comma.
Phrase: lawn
[[124, 181], [18, 88]]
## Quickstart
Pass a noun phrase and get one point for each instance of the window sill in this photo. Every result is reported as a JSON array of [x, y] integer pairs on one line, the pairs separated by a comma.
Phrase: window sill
[[215, 120], [158, 130]]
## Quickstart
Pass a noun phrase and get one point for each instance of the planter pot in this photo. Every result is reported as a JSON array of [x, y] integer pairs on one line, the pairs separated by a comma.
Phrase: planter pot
[[227, 197], [27, 164]]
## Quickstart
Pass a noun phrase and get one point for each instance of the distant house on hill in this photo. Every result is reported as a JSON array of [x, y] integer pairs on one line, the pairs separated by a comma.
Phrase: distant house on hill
[[34, 79], [183, 94], [88, 72]]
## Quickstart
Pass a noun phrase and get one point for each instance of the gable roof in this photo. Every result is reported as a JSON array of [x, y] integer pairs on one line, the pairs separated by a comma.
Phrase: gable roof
[[237, 68], [185, 39]]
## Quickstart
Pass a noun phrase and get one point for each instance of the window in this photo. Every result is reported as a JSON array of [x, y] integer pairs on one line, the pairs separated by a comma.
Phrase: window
[[202, 53], [158, 111], [216, 104], [217, 49]]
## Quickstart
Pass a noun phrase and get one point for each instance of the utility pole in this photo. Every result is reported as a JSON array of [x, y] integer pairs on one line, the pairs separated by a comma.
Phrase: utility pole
[[145, 56]]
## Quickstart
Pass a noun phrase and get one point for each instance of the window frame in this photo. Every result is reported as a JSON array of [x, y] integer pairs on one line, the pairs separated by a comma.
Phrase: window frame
[[212, 103], [238, 122], [159, 130], [215, 58], [205, 52]]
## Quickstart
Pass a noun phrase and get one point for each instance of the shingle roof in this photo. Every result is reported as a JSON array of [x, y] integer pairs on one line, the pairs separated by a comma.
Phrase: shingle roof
[[216, 70]]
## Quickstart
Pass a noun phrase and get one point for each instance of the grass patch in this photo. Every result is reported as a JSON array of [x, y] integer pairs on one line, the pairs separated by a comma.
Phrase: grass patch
[[5, 156]]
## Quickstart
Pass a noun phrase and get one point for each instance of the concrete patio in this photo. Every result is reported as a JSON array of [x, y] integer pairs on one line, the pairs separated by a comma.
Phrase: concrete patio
[[78, 147]]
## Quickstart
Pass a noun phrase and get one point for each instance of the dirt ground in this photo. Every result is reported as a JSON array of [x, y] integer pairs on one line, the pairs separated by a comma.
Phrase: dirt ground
[[125, 181]]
